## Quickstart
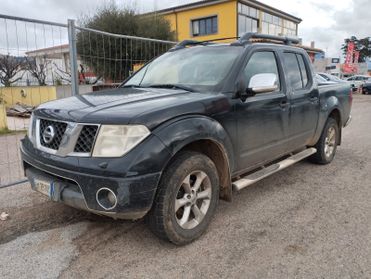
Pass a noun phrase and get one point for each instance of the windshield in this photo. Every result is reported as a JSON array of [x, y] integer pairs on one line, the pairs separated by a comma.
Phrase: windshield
[[197, 68]]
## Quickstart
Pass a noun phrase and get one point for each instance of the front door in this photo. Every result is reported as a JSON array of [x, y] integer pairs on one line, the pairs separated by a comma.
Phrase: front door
[[261, 119]]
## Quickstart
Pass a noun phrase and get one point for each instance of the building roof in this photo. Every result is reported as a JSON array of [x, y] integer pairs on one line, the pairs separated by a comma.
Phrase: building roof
[[204, 3], [49, 50]]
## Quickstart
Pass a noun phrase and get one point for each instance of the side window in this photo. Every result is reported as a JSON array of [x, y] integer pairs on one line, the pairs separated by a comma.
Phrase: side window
[[261, 63], [296, 71], [303, 70], [293, 71]]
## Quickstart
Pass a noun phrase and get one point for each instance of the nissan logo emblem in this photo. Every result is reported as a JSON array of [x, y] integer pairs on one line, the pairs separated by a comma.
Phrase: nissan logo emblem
[[49, 134]]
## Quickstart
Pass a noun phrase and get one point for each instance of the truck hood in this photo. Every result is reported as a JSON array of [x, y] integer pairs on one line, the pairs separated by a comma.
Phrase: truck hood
[[146, 106]]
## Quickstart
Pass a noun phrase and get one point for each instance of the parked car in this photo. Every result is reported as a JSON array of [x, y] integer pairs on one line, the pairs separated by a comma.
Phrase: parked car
[[330, 77], [185, 130], [357, 81], [366, 87], [322, 81]]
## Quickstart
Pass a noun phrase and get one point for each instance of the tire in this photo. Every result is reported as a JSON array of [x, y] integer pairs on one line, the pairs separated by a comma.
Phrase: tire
[[179, 182], [327, 143]]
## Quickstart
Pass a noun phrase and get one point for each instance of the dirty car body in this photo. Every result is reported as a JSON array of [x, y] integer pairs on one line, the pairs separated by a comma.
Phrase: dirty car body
[[209, 112]]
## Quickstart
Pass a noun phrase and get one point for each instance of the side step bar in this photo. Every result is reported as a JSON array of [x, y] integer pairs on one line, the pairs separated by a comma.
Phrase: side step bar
[[263, 173]]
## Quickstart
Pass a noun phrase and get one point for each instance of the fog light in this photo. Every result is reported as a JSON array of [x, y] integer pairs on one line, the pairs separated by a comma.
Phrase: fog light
[[106, 198]]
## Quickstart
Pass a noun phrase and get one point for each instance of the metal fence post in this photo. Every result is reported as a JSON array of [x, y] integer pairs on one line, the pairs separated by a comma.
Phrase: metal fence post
[[73, 56]]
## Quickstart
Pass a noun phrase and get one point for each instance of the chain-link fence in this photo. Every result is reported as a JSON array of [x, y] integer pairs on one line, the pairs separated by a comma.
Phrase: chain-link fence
[[42, 61], [111, 58]]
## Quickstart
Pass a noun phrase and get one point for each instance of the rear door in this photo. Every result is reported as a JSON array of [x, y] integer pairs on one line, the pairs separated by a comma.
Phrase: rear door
[[261, 119], [303, 97]]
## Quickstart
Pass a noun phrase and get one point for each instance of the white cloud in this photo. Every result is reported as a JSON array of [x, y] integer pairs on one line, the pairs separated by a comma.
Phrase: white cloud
[[326, 23], [329, 23]]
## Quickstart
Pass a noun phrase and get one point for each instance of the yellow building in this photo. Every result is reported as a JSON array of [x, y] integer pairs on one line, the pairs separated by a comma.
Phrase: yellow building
[[218, 19]]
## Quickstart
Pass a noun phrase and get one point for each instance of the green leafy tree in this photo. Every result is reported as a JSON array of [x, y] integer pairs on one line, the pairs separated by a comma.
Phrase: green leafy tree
[[362, 45], [113, 57]]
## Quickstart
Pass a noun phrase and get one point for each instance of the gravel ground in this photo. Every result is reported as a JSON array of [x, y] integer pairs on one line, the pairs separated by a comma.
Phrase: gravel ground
[[307, 221]]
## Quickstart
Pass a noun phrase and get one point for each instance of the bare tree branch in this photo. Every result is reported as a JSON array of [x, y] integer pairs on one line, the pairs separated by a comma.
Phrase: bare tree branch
[[10, 66], [38, 70]]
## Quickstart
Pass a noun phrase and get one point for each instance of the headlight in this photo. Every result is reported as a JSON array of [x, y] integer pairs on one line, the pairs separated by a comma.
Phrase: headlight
[[116, 140], [31, 129]]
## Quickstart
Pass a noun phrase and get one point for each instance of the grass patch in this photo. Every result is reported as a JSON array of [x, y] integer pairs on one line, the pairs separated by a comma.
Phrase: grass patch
[[6, 131]]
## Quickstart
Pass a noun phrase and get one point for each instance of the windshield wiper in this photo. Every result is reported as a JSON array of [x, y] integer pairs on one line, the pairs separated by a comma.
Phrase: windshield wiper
[[172, 86]]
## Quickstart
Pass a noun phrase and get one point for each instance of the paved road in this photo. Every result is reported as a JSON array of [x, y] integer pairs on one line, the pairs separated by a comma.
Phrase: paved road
[[308, 221]]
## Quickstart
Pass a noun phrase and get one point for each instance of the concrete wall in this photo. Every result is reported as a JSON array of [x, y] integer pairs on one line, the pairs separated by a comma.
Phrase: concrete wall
[[3, 123], [36, 95], [64, 91], [227, 21], [28, 95]]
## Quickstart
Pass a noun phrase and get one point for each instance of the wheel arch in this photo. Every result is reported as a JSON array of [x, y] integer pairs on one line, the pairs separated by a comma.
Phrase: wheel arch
[[217, 154], [206, 136], [336, 114]]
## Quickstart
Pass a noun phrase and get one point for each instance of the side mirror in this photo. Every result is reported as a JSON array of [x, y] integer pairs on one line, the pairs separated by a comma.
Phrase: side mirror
[[262, 83]]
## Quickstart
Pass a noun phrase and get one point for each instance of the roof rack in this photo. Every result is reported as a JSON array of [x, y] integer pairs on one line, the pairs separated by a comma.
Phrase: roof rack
[[243, 40], [246, 39], [186, 43], [221, 39]]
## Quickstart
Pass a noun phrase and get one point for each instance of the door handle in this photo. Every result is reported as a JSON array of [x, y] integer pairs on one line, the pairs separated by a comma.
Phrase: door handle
[[284, 104], [313, 99]]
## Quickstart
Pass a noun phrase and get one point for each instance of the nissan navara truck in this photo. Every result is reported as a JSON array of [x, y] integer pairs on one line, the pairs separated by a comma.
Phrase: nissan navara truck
[[184, 131]]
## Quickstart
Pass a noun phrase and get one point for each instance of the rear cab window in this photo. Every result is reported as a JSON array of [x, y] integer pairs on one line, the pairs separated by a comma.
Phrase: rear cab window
[[296, 71]]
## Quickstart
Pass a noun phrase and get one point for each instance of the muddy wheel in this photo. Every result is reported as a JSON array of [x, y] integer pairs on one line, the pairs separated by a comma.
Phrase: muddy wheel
[[327, 143], [186, 199]]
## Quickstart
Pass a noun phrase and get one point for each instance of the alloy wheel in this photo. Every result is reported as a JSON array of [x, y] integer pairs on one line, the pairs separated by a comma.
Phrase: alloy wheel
[[193, 199], [330, 142]]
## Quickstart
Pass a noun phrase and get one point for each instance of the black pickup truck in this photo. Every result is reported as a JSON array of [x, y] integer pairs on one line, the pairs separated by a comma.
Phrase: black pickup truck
[[192, 125]]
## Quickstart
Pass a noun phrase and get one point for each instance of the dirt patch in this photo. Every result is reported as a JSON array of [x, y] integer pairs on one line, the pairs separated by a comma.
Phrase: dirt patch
[[41, 217]]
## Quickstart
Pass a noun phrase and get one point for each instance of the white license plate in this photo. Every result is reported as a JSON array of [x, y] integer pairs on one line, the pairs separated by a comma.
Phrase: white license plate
[[43, 187]]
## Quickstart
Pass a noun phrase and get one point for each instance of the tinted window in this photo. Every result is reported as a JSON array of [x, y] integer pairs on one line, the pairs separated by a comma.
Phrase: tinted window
[[293, 71], [303, 70], [260, 63]]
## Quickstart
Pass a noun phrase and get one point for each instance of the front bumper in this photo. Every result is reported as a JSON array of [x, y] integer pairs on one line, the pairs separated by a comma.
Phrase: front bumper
[[77, 188]]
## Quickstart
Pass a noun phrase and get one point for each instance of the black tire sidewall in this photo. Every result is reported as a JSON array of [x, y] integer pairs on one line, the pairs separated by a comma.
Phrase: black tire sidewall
[[330, 123], [187, 163]]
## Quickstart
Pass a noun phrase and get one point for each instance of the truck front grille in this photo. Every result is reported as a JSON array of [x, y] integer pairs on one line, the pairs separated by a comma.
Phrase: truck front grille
[[78, 139], [86, 139], [58, 129]]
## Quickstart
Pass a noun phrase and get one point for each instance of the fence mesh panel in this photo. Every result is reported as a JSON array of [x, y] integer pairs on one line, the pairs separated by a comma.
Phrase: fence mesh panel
[[108, 59], [33, 58], [35, 67]]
